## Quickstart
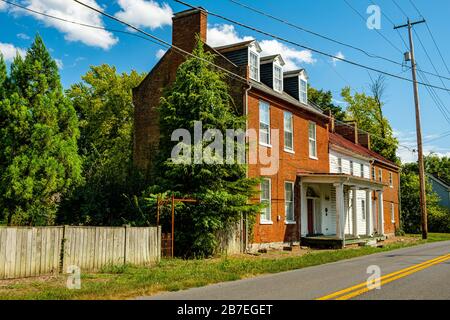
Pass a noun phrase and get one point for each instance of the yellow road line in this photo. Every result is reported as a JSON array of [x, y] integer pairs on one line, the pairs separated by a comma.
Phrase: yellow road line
[[393, 274], [364, 290]]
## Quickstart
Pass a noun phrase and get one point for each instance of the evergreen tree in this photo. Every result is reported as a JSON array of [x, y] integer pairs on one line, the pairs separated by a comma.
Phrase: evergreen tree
[[199, 93], [3, 77], [39, 159]]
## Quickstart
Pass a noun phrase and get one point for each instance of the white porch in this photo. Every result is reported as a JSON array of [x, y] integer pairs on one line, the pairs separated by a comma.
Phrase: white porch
[[340, 207]]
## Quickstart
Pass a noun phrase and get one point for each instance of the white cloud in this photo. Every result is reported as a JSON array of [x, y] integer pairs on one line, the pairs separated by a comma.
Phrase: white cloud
[[338, 55], [10, 51], [75, 12], [143, 13], [293, 58], [408, 146], [23, 36], [2, 5], [223, 34], [159, 54], [59, 63]]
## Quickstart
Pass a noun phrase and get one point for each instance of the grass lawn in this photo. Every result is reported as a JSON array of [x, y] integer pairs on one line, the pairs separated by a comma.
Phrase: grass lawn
[[176, 274]]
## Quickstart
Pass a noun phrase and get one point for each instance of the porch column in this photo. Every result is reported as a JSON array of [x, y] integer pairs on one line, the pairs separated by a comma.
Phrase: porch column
[[340, 214], [354, 212], [380, 213], [369, 216]]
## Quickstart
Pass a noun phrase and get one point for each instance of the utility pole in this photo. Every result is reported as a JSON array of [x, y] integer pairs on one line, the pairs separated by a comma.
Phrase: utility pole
[[423, 198]]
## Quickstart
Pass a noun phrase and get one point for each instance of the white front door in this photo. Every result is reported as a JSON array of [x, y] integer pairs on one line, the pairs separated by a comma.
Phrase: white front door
[[327, 223]]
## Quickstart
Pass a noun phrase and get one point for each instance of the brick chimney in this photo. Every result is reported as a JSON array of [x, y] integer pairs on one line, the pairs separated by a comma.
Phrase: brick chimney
[[349, 130], [364, 139], [186, 25]]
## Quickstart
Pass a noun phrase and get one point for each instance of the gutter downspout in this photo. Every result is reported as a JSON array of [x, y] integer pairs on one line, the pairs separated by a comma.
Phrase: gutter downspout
[[246, 249]]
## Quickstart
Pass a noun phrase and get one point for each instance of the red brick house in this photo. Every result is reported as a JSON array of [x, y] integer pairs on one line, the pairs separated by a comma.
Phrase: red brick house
[[324, 188]]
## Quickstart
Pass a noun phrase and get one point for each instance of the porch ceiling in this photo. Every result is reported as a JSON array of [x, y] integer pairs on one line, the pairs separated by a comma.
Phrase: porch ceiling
[[348, 180]]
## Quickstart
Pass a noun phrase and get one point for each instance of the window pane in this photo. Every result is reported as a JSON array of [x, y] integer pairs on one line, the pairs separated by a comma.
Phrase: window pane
[[288, 131], [288, 141], [265, 198], [289, 201], [254, 68], [303, 91], [278, 79], [264, 122], [312, 140]]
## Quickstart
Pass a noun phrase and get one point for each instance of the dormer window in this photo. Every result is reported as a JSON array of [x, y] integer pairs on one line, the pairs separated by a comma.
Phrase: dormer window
[[277, 78], [303, 97], [254, 65]]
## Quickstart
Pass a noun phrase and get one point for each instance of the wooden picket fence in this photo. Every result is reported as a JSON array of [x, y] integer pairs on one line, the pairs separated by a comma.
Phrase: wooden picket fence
[[34, 251]]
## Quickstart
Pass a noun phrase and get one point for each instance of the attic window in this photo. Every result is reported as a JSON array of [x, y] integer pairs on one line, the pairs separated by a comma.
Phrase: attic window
[[303, 97], [254, 65], [277, 78]]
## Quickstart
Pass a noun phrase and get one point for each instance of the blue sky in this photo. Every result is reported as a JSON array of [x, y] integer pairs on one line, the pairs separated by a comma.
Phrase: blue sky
[[76, 48]]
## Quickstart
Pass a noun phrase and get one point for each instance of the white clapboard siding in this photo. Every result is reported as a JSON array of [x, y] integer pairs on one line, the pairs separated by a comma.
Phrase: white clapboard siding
[[27, 252]]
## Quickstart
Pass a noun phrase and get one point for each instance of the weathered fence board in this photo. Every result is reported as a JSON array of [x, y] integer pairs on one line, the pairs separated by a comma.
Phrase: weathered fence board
[[26, 252], [34, 251], [92, 248]]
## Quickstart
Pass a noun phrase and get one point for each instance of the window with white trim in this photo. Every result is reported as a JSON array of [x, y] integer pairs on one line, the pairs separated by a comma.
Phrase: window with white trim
[[339, 165], [312, 140], [264, 123], [288, 132], [351, 168], [363, 210], [391, 180], [380, 175], [374, 174], [361, 166], [289, 201], [303, 96], [277, 78], [266, 199], [392, 213], [254, 65]]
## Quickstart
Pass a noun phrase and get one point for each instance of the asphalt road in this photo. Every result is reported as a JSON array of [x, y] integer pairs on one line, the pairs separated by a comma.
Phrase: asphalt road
[[429, 282]]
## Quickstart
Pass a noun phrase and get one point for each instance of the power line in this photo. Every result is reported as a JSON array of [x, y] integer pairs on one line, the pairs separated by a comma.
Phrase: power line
[[435, 96], [306, 47], [441, 136], [162, 42], [432, 37], [76, 22], [434, 67], [371, 55], [400, 8], [296, 26], [228, 72], [382, 35]]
